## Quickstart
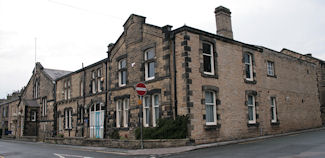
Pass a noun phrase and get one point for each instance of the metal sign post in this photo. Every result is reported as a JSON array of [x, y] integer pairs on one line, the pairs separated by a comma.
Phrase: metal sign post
[[141, 90]]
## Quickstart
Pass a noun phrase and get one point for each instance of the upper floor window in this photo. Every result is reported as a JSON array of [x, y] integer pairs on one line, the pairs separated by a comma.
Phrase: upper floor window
[[81, 88], [149, 58], [273, 110], [44, 106], [251, 109], [210, 107], [99, 79], [67, 89], [208, 62], [122, 72], [93, 82], [36, 89], [248, 66], [270, 68]]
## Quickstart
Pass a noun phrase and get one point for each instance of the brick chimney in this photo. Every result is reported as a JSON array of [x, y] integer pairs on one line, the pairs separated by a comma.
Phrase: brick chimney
[[223, 21]]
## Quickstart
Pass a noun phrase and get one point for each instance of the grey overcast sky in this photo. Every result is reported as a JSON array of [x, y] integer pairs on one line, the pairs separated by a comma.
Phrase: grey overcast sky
[[72, 32]]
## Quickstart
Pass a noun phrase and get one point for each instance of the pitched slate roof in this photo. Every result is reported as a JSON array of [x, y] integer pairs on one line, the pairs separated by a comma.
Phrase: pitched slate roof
[[55, 74]]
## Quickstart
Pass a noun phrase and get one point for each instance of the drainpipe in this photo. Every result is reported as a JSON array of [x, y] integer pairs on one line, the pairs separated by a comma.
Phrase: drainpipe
[[84, 97], [105, 111], [175, 72], [108, 81]]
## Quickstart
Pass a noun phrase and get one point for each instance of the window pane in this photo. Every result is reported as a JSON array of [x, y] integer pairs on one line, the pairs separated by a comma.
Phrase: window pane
[[151, 67], [156, 100], [147, 102], [150, 54], [250, 113], [147, 116], [209, 113], [206, 48], [208, 97], [247, 58], [248, 71], [123, 64], [272, 113], [250, 100], [157, 113], [207, 63], [123, 77]]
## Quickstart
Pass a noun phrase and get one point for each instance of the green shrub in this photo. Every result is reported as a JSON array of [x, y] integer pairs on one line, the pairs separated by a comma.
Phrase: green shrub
[[114, 134], [61, 135], [166, 129]]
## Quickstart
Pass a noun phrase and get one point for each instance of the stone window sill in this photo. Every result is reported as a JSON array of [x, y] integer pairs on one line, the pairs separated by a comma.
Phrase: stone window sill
[[274, 76], [253, 124], [250, 81], [212, 127], [209, 76], [275, 123]]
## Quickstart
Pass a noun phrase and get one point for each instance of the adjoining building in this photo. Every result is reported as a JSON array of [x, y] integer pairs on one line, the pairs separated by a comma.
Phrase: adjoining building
[[228, 89], [36, 108]]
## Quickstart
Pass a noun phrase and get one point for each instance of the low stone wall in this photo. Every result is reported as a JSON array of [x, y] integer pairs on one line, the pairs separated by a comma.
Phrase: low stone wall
[[115, 143], [28, 138]]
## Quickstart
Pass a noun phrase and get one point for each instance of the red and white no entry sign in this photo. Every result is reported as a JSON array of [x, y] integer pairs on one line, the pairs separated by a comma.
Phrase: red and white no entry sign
[[141, 89]]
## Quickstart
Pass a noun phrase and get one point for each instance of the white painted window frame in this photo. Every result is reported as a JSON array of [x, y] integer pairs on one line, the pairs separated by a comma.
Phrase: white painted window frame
[[250, 67], [145, 108], [118, 113], [273, 110], [99, 77], [147, 64], [253, 108], [44, 106], [125, 112], [214, 108], [270, 68], [93, 84], [120, 73], [154, 111], [211, 59]]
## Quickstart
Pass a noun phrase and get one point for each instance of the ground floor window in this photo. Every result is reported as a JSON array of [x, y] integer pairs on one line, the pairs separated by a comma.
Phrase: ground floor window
[[68, 118], [210, 108], [251, 109], [146, 111], [273, 110]]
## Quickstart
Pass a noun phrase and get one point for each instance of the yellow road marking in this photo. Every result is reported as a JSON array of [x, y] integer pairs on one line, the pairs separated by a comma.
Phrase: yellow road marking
[[111, 152], [99, 151]]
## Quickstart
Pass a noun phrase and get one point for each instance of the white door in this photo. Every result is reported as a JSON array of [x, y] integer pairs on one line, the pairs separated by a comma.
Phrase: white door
[[97, 122]]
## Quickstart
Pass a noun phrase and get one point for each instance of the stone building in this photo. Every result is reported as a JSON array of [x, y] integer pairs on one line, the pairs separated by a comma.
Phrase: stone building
[[8, 111], [36, 110], [320, 65], [229, 89], [80, 102], [4, 114]]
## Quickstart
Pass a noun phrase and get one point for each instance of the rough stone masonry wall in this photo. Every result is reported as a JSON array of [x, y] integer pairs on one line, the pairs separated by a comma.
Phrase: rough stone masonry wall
[[294, 89], [132, 49]]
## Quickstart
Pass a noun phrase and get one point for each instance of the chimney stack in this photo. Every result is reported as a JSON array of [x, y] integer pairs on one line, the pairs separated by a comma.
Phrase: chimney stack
[[223, 21]]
